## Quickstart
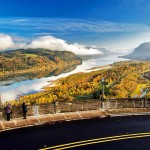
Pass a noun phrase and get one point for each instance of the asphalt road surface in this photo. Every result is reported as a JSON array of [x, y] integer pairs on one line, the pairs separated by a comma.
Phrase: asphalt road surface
[[122, 133]]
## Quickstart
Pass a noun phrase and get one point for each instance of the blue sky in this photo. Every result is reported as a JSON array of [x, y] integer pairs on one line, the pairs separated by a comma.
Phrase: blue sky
[[119, 25], [135, 11]]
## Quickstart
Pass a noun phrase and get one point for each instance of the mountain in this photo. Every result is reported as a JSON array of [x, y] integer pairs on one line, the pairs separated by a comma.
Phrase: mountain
[[106, 52], [142, 52], [103, 50], [35, 62]]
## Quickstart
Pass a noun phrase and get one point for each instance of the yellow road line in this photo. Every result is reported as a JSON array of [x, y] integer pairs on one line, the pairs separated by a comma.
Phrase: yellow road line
[[117, 139], [98, 140]]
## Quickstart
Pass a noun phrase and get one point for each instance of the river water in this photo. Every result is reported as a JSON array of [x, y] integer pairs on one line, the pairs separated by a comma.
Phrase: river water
[[14, 90]]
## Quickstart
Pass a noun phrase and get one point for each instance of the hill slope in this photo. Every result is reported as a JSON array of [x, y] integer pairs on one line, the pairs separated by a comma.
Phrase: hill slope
[[31, 61], [142, 52]]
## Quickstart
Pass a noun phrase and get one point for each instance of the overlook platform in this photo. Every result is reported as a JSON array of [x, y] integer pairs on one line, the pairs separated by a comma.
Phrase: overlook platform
[[16, 123]]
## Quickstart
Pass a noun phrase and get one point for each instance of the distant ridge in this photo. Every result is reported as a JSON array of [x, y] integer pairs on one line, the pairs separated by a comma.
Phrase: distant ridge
[[106, 51], [142, 52], [103, 50]]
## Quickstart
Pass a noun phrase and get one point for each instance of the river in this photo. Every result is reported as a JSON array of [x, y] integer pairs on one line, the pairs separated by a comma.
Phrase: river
[[14, 90]]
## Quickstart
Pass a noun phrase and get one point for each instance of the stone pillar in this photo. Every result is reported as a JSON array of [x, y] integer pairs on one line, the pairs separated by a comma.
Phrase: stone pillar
[[133, 104], [35, 110], [69, 106], [55, 107], [1, 109], [116, 104]]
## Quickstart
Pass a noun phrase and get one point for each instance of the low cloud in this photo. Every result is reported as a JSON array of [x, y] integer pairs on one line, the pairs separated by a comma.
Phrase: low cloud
[[48, 42], [53, 43], [6, 42]]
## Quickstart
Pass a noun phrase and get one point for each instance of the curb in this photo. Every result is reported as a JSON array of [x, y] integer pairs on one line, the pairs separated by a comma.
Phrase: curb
[[129, 114], [50, 118]]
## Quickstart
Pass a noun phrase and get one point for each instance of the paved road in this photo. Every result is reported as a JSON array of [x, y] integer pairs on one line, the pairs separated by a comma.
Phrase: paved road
[[132, 133]]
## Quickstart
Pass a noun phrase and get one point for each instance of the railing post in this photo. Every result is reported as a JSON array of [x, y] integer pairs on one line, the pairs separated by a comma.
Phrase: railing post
[[1, 112], [116, 104], [108, 104], [82, 108], [1, 115], [144, 102], [133, 104], [69, 107], [35, 110], [55, 106]]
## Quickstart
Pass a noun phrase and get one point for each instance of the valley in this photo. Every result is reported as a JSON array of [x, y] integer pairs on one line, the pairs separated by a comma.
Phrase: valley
[[124, 80]]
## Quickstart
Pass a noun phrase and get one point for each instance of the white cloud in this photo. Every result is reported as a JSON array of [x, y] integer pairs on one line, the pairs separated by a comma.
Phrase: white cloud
[[82, 50], [20, 20], [6, 42], [63, 25], [121, 45], [48, 42], [53, 43], [112, 35]]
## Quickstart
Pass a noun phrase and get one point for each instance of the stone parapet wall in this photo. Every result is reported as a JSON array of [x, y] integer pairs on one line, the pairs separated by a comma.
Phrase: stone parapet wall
[[126, 103], [85, 105]]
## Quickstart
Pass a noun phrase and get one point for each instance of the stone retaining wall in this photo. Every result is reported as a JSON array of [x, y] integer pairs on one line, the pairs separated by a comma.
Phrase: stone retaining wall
[[59, 107]]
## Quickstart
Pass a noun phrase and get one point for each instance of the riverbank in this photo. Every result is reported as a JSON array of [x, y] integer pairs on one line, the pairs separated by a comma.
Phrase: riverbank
[[70, 116], [37, 84], [98, 68], [56, 82]]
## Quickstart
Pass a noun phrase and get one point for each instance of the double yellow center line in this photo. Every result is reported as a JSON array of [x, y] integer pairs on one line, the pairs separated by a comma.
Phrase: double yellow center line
[[98, 140]]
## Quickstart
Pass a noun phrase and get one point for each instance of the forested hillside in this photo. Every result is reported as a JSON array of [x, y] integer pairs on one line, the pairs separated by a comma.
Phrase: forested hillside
[[34, 61], [124, 80]]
